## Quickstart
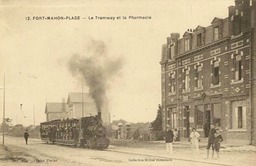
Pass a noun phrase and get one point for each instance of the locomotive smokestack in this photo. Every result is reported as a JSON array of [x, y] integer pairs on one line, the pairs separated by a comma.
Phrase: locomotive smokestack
[[97, 70], [99, 115]]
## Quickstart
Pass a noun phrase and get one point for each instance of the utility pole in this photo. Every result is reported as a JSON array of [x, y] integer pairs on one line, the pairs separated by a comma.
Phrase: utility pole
[[82, 97], [34, 113], [3, 108]]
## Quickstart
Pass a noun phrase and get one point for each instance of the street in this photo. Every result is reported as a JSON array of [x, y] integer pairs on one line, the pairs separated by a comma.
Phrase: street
[[39, 153]]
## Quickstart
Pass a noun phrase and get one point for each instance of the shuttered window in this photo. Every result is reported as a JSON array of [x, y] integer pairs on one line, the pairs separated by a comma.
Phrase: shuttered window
[[238, 118]]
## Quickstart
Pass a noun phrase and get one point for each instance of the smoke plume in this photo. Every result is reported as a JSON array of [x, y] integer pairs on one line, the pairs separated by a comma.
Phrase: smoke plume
[[97, 69]]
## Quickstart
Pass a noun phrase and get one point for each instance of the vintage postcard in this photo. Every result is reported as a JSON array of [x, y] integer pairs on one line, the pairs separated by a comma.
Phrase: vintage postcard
[[127, 82]]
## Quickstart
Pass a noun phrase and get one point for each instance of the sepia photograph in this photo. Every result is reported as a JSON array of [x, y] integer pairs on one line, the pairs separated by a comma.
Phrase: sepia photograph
[[128, 82]]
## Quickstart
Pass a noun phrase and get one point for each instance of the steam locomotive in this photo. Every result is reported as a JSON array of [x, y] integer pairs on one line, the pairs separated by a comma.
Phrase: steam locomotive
[[84, 132]]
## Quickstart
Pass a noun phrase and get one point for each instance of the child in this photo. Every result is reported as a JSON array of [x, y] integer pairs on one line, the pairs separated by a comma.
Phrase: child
[[194, 138], [217, 140], [175, 132]]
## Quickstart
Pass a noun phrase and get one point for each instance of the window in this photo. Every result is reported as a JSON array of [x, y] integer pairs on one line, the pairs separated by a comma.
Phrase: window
[[171, 51], [187, 45], [172, 117], [238, 117], [172, 82], [199, 39], [199, 116], [238, 67], [198, 76], [186, 80], [217, 114], [237, 11], [216, 33], [168, 115], [215, 78]]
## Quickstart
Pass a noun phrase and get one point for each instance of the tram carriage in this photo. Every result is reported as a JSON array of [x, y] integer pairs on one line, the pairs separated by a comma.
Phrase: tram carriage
[[86, 132]]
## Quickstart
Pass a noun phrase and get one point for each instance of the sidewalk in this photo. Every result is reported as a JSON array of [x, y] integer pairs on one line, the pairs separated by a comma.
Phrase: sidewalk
[[203, 143], [227, 158], [229, 154]]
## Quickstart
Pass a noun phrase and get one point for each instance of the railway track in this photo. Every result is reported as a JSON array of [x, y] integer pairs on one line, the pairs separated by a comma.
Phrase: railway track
[[163, 157], [169, 158]]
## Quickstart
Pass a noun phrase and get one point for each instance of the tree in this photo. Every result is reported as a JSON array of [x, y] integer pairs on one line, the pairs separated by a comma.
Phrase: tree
[[6, 124], [157, 123]]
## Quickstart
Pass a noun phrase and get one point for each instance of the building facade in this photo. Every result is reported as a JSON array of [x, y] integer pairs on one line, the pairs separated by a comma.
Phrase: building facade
[[78, 109], [55, 110], [208, 76], [78, 105]]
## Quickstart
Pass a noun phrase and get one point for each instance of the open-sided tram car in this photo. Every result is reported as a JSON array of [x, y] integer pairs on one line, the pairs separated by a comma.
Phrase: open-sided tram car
[[87, 131]]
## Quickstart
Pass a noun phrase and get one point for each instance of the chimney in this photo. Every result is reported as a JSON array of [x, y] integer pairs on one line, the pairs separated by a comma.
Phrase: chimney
[[99, 115], [231, 10], [175, 37]]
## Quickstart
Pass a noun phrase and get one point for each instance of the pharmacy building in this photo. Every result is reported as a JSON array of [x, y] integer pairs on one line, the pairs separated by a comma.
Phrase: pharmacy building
[[208, 76]]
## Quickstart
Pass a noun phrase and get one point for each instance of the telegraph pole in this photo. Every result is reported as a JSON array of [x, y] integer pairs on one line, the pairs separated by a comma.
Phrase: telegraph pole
[[34, 113], [82, 97], [3, 108]]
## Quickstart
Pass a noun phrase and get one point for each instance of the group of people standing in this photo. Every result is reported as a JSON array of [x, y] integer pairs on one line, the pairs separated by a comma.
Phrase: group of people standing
[[214, 140]]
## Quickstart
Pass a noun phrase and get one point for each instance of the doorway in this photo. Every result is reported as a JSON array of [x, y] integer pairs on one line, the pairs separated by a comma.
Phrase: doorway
[[186, 121], [207, 123]]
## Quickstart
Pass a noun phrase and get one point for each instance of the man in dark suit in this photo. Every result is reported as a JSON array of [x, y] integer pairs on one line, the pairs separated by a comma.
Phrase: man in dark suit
[[211, 140], [169, 139], [26, 135]]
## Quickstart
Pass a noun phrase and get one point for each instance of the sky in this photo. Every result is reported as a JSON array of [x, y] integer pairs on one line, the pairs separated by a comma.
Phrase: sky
[[34, 53]]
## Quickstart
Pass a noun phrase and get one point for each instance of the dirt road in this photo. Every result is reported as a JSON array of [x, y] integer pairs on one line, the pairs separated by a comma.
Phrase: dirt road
[[39, 153]]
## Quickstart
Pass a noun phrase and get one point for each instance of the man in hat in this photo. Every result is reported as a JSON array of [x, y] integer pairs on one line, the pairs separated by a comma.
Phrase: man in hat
[[211, 140], [26, 135], [169, 139]]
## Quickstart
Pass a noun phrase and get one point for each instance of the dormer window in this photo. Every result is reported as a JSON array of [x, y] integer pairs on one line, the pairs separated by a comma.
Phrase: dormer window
[[232, 18], [216, 33], [187, 47], [237, 12], [199, 39], [171, 51], [217, 25]]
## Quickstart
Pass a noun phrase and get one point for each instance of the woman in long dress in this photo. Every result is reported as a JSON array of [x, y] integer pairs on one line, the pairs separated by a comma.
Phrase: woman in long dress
[[194, 139]]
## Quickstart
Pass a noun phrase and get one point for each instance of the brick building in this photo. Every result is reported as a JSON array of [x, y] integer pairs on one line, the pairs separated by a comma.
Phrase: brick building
[[209, 76]]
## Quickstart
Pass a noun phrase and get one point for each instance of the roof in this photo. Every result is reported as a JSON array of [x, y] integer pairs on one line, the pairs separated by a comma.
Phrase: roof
[[216, 19], [76, 97], [199, 27], [54, 107]]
